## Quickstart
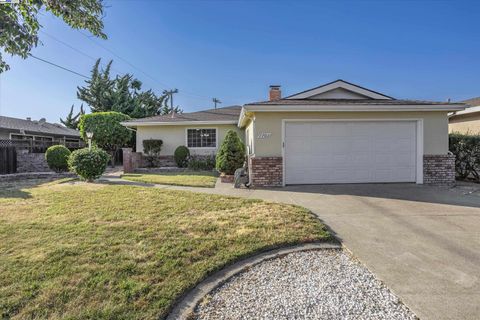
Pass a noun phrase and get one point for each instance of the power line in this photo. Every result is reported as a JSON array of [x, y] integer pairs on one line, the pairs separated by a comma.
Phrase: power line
[[58, 66], [182, 92], [77, 50]]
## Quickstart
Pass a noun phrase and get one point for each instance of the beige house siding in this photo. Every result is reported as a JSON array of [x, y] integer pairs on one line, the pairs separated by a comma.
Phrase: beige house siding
[[435, 127], [175, 135], [467, 123]]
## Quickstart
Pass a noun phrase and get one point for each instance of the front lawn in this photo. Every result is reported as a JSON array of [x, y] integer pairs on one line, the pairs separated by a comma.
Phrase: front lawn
[[188, 178], [91, 251]]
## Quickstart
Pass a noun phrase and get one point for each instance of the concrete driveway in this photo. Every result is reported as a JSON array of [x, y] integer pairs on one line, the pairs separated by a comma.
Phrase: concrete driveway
[[423, 242]]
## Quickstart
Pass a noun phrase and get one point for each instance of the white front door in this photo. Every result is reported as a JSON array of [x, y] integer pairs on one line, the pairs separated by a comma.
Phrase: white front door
[[349, 151]]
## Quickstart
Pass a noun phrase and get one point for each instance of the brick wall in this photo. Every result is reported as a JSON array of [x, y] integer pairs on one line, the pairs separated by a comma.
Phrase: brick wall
[[439, 169], [265, 171], [31, 162]]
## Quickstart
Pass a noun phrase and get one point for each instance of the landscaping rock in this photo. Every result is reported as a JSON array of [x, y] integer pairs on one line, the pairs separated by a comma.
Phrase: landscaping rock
[[320, 284]]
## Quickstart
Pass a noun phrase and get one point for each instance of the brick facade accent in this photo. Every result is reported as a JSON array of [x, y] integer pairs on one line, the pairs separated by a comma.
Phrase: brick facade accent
[[131, 160], [439, 169], [265, 171]]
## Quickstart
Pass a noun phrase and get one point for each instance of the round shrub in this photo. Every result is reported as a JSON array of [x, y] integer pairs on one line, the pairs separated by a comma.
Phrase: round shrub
[[88, 164], [181, 155], [231, 154], [57, 158]]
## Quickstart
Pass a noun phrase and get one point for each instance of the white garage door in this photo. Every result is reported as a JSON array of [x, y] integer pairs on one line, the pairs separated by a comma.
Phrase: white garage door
[[350, 151]]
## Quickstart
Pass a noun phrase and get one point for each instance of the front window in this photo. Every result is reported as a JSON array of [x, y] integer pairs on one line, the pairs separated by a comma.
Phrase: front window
[[202, 138]]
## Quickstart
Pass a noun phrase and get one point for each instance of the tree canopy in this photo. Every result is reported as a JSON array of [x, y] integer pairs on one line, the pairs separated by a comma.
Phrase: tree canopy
[[122, 93], [72, 121], [19, 24]]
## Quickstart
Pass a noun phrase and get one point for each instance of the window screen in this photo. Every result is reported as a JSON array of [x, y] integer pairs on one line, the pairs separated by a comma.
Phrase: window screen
[[202, 138]]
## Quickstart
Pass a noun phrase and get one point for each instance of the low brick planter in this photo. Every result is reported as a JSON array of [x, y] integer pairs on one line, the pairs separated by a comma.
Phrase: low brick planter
[[227, 178]]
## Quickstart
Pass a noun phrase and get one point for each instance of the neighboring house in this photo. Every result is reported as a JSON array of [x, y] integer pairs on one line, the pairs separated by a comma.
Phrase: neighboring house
[[468, 120], [335, 133], [37, 132]]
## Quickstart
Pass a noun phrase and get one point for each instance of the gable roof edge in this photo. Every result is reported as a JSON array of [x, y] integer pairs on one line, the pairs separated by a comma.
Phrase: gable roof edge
[[353, 87]]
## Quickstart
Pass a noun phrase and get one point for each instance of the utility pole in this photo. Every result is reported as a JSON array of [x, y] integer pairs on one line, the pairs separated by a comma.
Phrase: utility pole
[[215, 101], [169, 94]]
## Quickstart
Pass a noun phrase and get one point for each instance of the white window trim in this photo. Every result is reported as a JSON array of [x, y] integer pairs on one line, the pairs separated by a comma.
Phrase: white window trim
[[419, 140], [201, 148]]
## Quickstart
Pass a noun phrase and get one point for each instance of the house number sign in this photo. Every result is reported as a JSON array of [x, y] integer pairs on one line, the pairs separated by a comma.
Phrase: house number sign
[[264, 135]]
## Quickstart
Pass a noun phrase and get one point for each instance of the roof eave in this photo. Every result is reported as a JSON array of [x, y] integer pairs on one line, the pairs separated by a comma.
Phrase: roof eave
[[352, 108], [176, 123]]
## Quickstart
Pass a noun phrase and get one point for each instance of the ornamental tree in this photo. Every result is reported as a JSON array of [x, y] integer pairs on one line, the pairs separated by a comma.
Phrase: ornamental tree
[[231, 154], [108, 133]]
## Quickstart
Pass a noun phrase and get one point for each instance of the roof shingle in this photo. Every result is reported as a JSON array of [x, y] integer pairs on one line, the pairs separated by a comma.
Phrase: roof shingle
[[36, 126], [220, 114]]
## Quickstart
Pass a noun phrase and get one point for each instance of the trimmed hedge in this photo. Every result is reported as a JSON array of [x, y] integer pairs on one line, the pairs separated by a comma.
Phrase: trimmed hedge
[[108, 133], [231, 155], [57, 158], [181, 155], [197, 163], [466, 149], [89, 164], [152, 148]]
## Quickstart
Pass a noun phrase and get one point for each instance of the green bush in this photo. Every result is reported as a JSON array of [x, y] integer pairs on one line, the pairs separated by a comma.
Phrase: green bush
[[108, 133], [181, 155], [152, 148], [57, 158], [466, 149], [231, 155], [198, 163], [88, 164]]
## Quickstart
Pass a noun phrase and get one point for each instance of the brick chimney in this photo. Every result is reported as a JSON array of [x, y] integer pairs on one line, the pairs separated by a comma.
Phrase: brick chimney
[[275, 93]]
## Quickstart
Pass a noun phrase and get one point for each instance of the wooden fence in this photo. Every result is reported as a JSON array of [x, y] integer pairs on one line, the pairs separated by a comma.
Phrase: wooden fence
[[8, 159]]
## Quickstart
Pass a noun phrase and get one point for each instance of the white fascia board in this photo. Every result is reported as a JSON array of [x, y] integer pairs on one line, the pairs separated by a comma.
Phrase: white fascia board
[[339, 84], [241, 119], [178, 123], [352, 108]]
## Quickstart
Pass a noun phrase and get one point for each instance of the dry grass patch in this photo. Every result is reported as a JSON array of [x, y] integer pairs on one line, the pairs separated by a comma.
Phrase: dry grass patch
[[188, 178], [77, 250]]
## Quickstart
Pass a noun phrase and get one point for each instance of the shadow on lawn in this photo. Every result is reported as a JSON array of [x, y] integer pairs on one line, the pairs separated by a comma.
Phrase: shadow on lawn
[[16, 189]]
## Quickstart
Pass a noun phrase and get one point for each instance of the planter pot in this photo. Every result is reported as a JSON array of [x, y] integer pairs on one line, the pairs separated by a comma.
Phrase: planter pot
[[227, 178]]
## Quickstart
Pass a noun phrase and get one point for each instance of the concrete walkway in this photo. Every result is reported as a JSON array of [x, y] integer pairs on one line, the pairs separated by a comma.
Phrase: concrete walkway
[[423, 242]]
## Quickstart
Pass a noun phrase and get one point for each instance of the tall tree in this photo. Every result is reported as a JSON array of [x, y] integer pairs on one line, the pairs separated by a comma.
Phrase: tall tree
[[122, 94], [99, 89], [72, 121], [19, 24]]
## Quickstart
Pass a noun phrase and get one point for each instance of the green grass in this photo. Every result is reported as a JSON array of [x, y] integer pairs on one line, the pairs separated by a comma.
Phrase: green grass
[[90, 251], [188, 178]]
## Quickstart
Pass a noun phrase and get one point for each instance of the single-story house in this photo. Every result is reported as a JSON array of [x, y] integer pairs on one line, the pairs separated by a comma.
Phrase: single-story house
[[338, 132], [37, 132], [468, 120]]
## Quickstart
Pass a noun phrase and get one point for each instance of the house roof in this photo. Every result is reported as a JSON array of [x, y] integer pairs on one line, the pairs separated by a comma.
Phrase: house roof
[[33, 126], [219, 115], [289, 101], [473, 106], [474, 102], [359, 90]]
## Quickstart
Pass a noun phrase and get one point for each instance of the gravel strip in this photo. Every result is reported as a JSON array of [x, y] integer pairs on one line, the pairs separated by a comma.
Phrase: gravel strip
[[319, 284]]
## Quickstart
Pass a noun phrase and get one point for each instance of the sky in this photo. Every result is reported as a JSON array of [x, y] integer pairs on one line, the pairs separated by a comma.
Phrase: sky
[[233, 50]]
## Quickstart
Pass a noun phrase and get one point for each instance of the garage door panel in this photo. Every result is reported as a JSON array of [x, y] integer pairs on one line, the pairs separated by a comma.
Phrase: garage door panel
[[350, 152]]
